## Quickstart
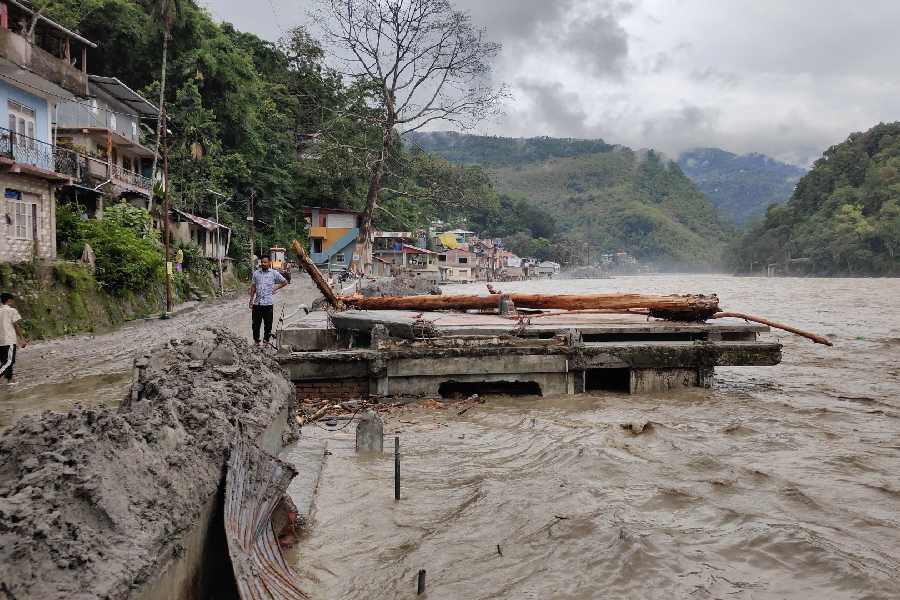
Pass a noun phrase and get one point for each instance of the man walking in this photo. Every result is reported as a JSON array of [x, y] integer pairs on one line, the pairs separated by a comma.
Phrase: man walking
[[266, 281], [10, 333]]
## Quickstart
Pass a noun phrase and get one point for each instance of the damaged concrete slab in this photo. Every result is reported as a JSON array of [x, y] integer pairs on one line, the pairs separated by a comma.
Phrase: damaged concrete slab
[[432, 355]]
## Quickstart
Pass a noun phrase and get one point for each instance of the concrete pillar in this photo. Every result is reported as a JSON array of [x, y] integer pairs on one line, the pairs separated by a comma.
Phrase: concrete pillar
[[370, 433]]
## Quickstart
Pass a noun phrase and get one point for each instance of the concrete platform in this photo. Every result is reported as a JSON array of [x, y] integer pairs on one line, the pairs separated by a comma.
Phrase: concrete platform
[[401, 353]]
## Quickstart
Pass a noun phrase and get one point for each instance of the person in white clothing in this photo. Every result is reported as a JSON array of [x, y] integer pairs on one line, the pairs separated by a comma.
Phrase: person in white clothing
[[10, 335]]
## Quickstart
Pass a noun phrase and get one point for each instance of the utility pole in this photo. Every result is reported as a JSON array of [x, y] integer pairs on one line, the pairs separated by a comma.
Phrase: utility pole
[[166, 209]]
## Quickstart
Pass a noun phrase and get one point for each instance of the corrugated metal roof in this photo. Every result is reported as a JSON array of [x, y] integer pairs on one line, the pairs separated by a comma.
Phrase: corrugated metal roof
[[206, 224], [124, 94]]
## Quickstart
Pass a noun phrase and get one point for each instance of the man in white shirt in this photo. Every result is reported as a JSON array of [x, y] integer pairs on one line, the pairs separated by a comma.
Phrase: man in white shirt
[[10, 334], [266, 281]]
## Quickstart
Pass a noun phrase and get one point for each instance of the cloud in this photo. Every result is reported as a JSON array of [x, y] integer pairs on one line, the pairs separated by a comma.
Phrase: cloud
[[599, 44], [787, 79], [551, 108]]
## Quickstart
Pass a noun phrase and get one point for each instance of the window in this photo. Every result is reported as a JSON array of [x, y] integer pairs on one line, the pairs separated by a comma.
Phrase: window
[[340, 220], [21, 123], [25, 215], [339, 258], [112, 121], [134, 131], [317, 246], [442, 258], [463, 260]]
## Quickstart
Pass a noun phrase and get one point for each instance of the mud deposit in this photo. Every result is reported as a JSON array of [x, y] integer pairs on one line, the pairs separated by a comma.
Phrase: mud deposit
[[778, 483], [93, 501]]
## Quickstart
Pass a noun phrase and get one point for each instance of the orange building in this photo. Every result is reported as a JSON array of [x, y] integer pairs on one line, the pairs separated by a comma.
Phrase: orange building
[[332, 237]]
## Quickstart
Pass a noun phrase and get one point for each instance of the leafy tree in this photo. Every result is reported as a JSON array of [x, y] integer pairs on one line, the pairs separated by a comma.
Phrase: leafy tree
[[418, 61]]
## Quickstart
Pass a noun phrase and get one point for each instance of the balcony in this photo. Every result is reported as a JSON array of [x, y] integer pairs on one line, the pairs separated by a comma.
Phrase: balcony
[[29, 156], [92, 170], [23, 154], [50, 55]]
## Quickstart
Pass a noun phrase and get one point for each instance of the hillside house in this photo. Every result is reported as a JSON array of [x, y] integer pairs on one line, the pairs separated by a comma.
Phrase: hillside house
[[404, 258], [35, 76], [213, 239], [104, 128], [457, 266], [333, 233]]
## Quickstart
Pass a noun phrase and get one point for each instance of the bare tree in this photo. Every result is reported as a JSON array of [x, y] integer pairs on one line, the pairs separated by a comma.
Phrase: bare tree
[[420, 61]]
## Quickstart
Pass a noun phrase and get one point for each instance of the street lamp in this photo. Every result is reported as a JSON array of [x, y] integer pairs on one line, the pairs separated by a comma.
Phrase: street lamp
[[219, 236]]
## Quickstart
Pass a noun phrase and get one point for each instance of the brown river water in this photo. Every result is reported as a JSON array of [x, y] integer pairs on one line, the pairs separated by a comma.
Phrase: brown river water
[[780, 482]]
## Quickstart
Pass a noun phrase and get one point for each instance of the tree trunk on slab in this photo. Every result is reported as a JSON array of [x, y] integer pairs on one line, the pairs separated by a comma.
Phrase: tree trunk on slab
[[689, 307], [316, 276]]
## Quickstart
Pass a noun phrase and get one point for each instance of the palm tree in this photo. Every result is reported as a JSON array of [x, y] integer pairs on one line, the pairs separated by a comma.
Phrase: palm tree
[[167, 11]]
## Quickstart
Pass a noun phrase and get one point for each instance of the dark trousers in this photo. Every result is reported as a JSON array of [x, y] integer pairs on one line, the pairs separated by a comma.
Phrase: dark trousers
[[7, 353], [262, 315]]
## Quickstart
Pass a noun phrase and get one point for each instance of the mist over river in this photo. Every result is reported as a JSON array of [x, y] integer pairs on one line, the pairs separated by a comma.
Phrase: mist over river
[[780, 482]]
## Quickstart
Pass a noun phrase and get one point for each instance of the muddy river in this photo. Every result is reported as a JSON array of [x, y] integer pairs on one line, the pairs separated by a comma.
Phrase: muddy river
[[779, 482]]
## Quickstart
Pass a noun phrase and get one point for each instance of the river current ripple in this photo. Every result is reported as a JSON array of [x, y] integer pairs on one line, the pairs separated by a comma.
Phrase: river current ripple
[[779, 482]]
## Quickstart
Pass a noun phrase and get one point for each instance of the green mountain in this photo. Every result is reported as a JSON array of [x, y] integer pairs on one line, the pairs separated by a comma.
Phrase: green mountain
[[610, 197], [843, 218], [740, 186]]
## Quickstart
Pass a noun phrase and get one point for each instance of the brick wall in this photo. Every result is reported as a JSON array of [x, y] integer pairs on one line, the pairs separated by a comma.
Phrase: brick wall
[[332, 389], [15, 250]]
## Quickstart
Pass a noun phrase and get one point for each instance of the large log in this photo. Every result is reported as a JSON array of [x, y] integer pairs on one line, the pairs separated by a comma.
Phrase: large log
[[316, 275], [686, 308]]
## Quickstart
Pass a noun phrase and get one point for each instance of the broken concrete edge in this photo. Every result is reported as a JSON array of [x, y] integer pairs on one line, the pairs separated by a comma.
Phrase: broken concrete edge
[[98, 503]]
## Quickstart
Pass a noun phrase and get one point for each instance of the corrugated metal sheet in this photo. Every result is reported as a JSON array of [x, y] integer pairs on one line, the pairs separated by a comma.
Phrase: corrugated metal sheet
[[255, 484]]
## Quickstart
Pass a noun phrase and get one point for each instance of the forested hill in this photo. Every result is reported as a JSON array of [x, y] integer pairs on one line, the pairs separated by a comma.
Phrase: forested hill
[[843, 218], [493, 151], [611, 197], [740, 186]]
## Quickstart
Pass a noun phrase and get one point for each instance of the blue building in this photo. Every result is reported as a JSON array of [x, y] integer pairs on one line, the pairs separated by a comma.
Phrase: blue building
[[36, 75]]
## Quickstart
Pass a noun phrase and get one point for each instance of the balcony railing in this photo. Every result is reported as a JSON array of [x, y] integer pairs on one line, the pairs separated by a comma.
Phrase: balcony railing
[[131, 178], [30, 151]]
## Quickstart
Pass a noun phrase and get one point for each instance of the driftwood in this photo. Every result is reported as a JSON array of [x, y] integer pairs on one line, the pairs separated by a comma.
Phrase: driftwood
[[810, 336], [316, 276], [677, 308]]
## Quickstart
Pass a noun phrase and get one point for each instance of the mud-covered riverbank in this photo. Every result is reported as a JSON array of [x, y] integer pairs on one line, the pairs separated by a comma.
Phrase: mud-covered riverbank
[[101, 502], [779, 482], [96, 369]]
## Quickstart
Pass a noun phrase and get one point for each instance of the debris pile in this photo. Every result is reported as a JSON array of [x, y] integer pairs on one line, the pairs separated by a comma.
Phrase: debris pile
[[399, 285], [94, 502]]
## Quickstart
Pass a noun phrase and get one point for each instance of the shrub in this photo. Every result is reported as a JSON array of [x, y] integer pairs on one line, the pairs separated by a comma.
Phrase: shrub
[[125, 260], [69, 235], [130, 217], [192, 260]]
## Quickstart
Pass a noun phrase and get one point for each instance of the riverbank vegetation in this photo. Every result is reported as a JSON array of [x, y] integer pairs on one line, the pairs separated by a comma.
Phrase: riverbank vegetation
[[843, 218]]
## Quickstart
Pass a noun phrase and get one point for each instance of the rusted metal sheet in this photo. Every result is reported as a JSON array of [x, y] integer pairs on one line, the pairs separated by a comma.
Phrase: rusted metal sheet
[[255, 484]]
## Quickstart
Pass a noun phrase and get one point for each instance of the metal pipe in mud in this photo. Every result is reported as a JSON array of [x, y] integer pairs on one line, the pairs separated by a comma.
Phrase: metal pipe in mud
[[396, 467], [420, 584]]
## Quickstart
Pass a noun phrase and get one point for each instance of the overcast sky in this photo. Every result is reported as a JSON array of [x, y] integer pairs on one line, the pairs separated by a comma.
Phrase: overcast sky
[[787, 78]]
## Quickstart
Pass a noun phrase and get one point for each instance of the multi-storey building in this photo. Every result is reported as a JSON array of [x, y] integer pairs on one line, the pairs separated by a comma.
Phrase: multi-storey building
[[103, 127], [40, 67]]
